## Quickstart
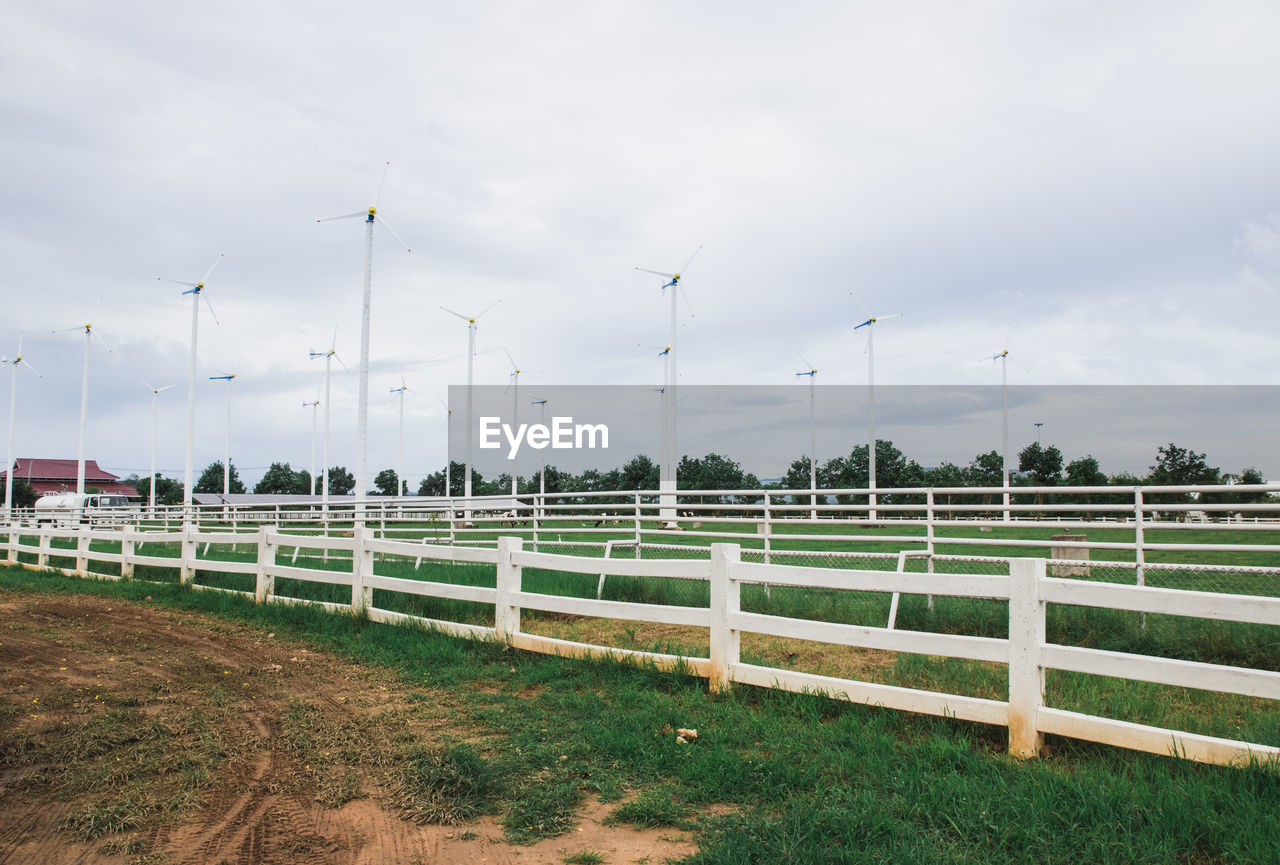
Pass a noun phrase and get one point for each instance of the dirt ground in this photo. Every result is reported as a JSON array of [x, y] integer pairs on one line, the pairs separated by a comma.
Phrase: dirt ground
[[132, 734]]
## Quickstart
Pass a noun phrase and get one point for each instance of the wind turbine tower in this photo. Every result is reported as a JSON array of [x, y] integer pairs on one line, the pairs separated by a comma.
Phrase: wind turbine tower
[[362, 402], [196, 290], [155, 400], [667, 479], [471, 359], [870, 325], [226, 451], [14, 362]]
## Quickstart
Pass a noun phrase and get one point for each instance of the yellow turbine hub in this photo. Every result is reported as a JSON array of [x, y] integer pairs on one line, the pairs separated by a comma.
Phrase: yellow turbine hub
[[372, 211]]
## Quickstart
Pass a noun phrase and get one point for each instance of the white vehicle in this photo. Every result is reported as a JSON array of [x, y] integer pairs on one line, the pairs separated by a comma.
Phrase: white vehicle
[[85, 508]]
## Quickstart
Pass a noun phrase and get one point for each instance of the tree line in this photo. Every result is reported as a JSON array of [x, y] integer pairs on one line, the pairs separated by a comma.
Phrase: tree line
[[1037, 465]]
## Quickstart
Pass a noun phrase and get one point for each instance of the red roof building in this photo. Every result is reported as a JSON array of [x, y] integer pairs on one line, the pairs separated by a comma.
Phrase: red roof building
[[49, 477]]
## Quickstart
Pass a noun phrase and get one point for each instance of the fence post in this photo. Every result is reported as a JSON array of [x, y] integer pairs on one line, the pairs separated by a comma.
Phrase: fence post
[[638, 519], [361, 565], [264, 583], [187, 570], [42, 557], [506, 615], [14, 537], [127, 545], [1139, 538], [1026, 675], [768, 529], [82, 551], [726, 601]]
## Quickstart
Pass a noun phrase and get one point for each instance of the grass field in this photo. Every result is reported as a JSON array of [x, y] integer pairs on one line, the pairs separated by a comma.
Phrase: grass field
[[775, 777]]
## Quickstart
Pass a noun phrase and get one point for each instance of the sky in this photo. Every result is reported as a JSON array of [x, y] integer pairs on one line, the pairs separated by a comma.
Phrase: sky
[[1093, 186]]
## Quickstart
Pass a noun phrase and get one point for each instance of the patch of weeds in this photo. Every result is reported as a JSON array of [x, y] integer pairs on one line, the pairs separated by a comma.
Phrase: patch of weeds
[[468, 836], [104, 818], [124, 847], [542, 809], [448, 786], [337, 787], [652, 808], [586, 857]]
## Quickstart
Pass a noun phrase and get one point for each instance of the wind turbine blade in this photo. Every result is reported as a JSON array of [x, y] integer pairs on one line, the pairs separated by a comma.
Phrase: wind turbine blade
[[149, 385], [79, 327], [96, 306], [210, 305], [657, 272], [458, 314], [514, 365], [864, 324], [340, 363], [334, 344], [345, 216], [165, 388], [209, 272], [187, 283], [489, 307], [806, 362], [859, 303], [21, 333], [93, 334], [687, 303], [32, 368], [392, 232], [887, 317], [691, 258], [1008, 333], [381, 183]]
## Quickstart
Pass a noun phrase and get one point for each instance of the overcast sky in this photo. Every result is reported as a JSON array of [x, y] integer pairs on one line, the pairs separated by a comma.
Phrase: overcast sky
[[1101, 177]]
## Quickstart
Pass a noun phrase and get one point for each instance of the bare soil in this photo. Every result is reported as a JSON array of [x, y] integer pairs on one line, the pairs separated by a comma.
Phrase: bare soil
[[133, 734]]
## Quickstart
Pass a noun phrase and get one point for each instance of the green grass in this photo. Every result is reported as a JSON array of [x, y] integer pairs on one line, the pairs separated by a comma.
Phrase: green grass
[[796, 778]]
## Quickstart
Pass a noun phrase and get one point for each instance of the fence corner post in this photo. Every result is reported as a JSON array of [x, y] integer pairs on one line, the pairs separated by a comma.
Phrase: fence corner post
[[82, 551], [14, 536], [726, 602], [506, 615], [264, 583], [361, 567], [1026, 675], [187, 569], [128, 543]]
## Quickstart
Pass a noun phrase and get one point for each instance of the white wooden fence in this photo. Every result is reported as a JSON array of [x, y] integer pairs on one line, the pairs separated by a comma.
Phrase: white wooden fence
[[1025, 652]]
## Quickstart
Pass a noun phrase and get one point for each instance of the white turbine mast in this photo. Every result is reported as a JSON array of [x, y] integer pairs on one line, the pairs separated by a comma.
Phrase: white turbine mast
[[665, 458], [87, 329], [667, 480], [362, 403], [329, 357], [513, 385], [471, 357], [1003, 357], [13, 362], [155, 400], [542, 454], [313, 405], [870, 325], [228, 377], [400, 392], [812, 373], [196, 290]]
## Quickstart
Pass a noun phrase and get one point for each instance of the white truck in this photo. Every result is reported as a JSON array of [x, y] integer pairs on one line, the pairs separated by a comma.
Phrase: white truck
[[66, 509]]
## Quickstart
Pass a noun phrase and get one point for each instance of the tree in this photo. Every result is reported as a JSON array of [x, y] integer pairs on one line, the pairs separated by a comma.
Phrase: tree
[[1043, 465], [1084, 472], [433, 484], [341, 481], [24, 495], [210, 480], [168, 490], [639, 473], [281, 479], [854, 471], [385, 484], [985, 470], [1177, 466]]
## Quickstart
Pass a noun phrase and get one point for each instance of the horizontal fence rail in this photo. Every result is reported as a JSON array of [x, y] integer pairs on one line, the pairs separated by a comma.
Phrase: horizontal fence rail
[[349, 560]]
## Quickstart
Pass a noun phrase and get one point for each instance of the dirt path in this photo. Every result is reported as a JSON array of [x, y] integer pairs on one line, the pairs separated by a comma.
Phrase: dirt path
[[193, 740]]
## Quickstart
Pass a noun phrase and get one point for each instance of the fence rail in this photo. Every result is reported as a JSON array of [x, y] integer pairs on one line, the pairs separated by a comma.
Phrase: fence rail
[[1026, 652]]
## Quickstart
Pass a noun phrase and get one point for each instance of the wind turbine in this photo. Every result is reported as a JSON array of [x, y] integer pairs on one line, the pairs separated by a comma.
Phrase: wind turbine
[[813, 439], [664, 458], [514, 386], [84, 390], [329, 356], [448, 453], [314, 404], [870, 325], [362, 403], [196, 291], [542, 455], [226, 452], [155, 400], [1003, 357], [15, 362], [471, 357], [667, 481], [400, 471]]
